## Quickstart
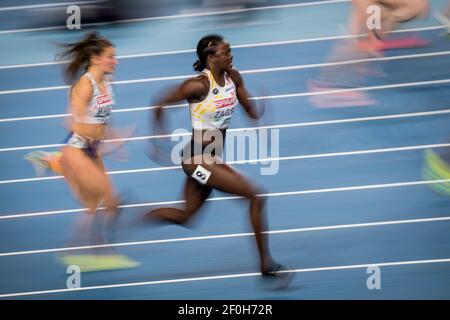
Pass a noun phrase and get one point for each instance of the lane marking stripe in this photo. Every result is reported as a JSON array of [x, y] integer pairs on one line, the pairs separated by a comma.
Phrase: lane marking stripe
[[181, 16], [277, 194], [229, 276], [252, 71], [223, 236], [281, 126], [251, 45], [253, 161]]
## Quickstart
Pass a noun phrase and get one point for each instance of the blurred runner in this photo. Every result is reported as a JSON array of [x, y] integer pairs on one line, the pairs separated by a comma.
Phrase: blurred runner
[[444, 18], [91, 99], [213, 96], [368, 43], [437, 167]]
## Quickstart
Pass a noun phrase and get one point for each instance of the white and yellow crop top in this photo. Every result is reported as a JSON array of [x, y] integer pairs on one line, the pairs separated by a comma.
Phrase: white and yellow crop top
[[100, 107], [215, 111]]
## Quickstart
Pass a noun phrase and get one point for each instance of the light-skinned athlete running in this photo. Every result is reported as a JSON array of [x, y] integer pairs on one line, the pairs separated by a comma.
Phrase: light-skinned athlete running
[[91, 99], [371, 23]]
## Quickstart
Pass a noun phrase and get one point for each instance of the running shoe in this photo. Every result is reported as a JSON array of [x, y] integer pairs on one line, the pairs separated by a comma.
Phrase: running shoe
[[280, 274], [92, 263], [337, 97], [435, 168], [38, 160]]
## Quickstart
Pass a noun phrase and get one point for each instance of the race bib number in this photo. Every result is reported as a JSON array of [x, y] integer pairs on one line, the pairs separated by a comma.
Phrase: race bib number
[[201, 175], [104, 99], [222, 118], [104, 107]]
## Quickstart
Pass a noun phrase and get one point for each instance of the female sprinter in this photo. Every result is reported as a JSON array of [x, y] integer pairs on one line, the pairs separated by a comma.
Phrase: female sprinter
[[91, 100], [392, 13], [369, 41], [213, 96]]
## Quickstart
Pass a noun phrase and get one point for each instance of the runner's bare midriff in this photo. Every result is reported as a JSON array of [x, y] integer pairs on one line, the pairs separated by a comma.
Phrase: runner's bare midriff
[[92, 131]]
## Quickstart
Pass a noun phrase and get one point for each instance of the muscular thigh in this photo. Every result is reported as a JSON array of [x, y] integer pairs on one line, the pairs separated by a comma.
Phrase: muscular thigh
[[86, 172], [404, 10], [221, 177]]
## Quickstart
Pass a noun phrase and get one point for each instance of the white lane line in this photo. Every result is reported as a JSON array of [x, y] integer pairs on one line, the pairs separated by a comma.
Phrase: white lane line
[[252, 71], [387, 86], [48, 5], [220, 12], [347, 62], [232, 235], [371, 88], [254, 161], [183, 16], [228, 276], [250, 45], [278, 194], [110, 172], [33, 90], [280, 126], [63, 115], [52, 116], [431, 28]]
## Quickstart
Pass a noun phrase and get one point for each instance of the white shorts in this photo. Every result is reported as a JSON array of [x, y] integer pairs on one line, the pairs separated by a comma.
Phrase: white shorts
[[77, 141]]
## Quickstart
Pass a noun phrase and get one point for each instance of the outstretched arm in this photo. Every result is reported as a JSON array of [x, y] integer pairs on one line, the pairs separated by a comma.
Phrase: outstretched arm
[[115, 140], [191, 90], [243, 96]]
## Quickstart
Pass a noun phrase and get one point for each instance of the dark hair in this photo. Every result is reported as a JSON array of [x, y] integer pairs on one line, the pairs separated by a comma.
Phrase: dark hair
[[80, 53], [206, 46]]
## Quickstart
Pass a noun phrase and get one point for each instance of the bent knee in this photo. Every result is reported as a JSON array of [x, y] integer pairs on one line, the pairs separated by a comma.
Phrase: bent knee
[[182, 218], [111, 204], [259, 201], [411, 11]]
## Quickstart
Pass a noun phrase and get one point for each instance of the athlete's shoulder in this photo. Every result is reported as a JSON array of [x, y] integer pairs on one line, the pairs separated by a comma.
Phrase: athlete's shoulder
[[195, 88], [83, 88], [233, 72], [199, 82], [235, 75]]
